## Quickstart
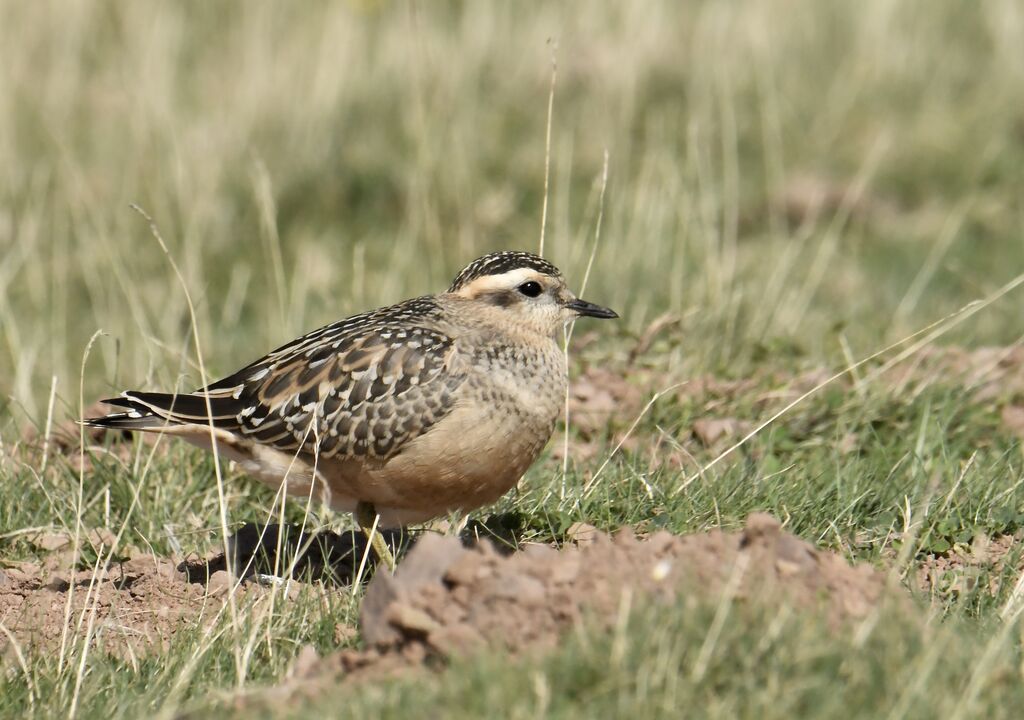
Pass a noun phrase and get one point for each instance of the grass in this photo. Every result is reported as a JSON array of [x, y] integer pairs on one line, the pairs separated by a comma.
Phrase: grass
[[770, 664], [798, 184]]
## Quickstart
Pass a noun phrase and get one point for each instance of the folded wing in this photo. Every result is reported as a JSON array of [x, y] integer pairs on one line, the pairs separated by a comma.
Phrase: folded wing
[[360, 388]]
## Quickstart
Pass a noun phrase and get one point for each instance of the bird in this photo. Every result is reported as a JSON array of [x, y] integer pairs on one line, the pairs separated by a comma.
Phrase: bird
[[437, 404]]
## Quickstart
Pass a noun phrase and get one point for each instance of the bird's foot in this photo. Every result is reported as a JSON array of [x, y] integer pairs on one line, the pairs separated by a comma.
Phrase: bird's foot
[[366, 516]]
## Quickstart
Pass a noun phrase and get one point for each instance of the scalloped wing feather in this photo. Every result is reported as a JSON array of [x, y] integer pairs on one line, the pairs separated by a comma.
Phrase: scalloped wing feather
[[362, 387]]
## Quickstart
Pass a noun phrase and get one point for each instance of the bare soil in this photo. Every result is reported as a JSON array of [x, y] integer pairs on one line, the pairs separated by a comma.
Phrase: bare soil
[[135, 604], [959, 571], [133, 607]]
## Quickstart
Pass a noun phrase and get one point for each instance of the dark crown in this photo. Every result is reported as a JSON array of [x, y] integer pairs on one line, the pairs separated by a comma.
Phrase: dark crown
[[501, 262]]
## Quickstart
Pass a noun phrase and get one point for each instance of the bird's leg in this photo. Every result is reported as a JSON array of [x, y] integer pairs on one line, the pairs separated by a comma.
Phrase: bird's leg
[[366, 516]]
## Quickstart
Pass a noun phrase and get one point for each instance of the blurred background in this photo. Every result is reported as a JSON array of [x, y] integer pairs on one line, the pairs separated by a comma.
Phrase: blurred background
[[784, 176]]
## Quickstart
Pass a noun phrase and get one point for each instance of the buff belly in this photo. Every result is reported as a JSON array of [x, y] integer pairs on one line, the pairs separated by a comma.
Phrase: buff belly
[[470, 460]]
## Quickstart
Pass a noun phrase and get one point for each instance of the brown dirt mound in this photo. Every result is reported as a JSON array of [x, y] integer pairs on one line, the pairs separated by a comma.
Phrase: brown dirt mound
[[446, 600]]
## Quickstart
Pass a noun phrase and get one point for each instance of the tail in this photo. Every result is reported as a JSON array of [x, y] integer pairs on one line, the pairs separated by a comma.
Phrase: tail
[[158, 411]]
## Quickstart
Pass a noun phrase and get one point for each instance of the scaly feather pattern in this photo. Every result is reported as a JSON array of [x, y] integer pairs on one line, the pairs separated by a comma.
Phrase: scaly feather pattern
[[362, 387]]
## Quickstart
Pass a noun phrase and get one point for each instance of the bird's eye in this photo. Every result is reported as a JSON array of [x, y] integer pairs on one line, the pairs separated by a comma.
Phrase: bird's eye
[[530, 289]]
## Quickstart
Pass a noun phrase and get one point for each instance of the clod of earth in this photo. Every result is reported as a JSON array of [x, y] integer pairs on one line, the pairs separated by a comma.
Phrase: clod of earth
[[446, 600]]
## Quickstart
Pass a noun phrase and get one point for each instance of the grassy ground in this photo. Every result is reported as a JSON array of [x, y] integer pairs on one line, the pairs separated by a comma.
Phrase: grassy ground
[[799, 184]]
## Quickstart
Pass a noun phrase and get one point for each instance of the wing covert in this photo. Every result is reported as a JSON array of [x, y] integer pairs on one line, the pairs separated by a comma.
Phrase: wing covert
[[361, 388]]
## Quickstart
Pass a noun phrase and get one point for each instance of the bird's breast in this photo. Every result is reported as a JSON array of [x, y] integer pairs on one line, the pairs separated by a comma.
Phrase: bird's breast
[[528, 378]]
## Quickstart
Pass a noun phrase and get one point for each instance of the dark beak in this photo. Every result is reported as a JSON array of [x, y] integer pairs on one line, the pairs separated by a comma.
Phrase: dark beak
[[589, 309]]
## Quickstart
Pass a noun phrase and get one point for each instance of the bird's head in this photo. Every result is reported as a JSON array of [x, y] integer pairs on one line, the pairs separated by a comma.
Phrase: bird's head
[[527, 287]]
